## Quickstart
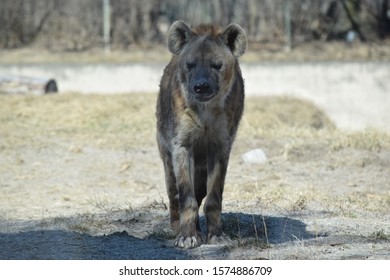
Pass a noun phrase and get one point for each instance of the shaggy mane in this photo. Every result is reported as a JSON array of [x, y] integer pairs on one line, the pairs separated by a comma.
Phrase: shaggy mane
[[207, 29]]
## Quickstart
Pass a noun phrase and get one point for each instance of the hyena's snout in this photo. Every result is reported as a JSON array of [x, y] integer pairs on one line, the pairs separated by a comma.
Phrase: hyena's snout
[[202, 86], [203, 89]]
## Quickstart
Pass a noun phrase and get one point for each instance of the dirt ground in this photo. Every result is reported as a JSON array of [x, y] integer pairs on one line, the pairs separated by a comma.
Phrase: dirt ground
[[81, 179]]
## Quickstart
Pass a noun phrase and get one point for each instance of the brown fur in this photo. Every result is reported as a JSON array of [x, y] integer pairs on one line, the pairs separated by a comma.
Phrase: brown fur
[[199, 107]]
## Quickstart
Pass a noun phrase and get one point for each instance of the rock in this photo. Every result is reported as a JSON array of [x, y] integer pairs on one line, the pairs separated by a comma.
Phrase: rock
[[256, 156]]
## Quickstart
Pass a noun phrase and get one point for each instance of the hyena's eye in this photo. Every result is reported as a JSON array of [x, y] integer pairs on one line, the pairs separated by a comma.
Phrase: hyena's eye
[[190, 65], [216, 65]]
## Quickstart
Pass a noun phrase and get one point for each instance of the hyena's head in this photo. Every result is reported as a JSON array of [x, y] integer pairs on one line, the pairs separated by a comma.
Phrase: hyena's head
[[207, 58]]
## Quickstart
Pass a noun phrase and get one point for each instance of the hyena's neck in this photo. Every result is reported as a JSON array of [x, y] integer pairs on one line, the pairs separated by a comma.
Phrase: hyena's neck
[[205, 115]]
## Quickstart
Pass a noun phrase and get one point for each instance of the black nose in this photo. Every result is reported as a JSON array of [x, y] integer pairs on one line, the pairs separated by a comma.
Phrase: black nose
[[202, 86]]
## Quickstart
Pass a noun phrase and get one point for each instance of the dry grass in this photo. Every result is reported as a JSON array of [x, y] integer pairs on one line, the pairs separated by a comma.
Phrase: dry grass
[[38, 55], [285, 117], [120, 120], [282, 116], [110, 121], [370, 139], [312, 51]]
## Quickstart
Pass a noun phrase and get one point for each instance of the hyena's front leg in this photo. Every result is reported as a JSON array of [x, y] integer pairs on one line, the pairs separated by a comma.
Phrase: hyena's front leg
[[170, 182], [183, 163], [217, 166]]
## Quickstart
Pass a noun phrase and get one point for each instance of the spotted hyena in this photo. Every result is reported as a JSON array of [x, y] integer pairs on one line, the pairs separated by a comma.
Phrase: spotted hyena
[[199, 107]]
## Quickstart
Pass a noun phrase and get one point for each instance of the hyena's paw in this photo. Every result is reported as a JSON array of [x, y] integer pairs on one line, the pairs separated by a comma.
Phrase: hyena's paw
[[220, 240], [188, 242]]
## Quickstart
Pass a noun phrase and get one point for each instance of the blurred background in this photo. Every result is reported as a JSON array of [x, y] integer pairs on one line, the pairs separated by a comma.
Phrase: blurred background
[[76, 25], [334, 53]]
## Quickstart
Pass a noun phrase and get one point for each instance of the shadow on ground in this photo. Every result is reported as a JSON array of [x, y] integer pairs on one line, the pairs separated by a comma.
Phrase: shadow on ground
[[269, 229], [64, 244]]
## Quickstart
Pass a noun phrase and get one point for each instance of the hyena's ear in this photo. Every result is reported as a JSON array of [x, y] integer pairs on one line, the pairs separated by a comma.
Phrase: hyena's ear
[[235, 38], [178, 36]]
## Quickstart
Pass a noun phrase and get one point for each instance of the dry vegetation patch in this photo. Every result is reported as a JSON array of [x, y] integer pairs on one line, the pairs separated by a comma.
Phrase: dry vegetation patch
[[110, 121]]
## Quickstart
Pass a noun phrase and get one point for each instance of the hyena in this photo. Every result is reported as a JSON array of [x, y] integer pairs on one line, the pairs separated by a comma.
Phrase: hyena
[[199, 107]]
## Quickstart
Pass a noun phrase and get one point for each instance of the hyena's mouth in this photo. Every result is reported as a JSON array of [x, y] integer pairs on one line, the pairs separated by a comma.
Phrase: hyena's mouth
[[204, 97]]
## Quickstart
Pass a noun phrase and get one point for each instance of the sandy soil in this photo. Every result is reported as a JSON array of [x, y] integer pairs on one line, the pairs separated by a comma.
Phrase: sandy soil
[[81, 179]]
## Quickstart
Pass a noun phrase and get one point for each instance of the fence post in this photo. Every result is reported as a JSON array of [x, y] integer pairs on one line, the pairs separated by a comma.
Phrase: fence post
[[287, 24], [106, 25]]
